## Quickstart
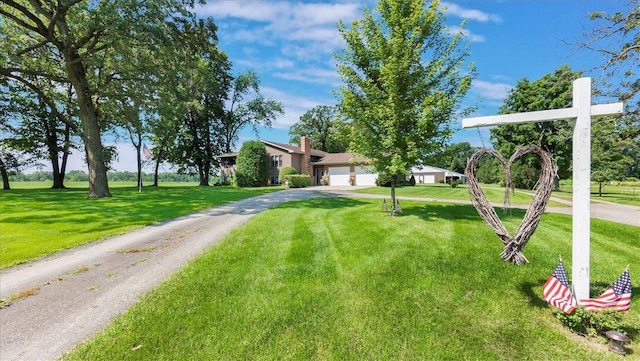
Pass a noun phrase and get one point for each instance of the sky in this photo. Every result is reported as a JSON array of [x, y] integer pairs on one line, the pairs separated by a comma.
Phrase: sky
[[291, 46]]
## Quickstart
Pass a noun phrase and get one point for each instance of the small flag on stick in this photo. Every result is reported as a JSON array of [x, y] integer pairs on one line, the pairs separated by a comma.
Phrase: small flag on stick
[[556, 290], [147, 153], [617, 297]]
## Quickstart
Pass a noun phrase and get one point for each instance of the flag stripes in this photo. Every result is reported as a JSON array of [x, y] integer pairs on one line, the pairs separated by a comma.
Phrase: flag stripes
[[556, 290], [616, 297]]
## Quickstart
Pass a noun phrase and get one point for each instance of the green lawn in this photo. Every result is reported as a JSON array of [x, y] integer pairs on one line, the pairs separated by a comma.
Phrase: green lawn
[[494, 193], [338, 279], [621, 192], [35, 222]]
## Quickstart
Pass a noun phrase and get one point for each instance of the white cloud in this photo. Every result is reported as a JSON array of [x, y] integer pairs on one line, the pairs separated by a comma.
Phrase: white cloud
[[470, 14], [312, 75], [472, 37], [491, 90], [313, 25], [294, 105]]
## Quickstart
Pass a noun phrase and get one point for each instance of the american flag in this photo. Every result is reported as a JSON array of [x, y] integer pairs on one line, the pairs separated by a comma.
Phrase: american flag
[[556, 290], [147, 153], [617, 297]]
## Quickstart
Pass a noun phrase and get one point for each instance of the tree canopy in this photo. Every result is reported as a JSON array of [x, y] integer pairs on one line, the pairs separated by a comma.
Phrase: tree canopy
[[551, 91], [85, 44], [404, 76], [326, 131]]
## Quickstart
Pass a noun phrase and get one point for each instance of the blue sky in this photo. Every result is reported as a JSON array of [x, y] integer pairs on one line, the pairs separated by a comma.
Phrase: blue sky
[[291, 46]]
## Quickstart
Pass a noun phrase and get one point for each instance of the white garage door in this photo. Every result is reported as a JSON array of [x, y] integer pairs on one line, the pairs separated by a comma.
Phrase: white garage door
[[429, 178], [364, 177], [338, 176]]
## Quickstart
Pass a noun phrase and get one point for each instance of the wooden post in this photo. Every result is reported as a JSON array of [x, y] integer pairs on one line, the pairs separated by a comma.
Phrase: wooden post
[[582, 111]]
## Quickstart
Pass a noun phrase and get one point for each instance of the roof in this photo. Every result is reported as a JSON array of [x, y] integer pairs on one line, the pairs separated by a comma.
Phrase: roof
[[293, 148], [340, 158], [228, 155], [430, 169]]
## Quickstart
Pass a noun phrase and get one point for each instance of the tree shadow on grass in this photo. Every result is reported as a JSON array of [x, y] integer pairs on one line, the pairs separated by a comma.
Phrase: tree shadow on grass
[[324, 203], [452, 211], [532, 291]]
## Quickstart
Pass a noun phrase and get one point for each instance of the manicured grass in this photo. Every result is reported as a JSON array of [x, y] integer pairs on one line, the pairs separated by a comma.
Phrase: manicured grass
[[35, 222], [494, 193], [622, 192], [338, 279]]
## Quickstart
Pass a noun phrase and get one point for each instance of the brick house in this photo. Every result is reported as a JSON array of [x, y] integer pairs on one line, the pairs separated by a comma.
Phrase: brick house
[[336, 168]]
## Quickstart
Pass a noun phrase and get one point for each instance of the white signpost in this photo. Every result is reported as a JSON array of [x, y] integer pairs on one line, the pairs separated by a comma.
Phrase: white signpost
[[582, 111]]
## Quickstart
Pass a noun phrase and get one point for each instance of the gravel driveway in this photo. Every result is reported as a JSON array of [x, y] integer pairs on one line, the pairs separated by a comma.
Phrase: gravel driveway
[[81, 290]]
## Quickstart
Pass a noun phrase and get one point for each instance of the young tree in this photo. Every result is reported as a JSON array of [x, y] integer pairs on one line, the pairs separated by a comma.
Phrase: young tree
[[403, 81], [252, 165], [324, 129], [552, 91]]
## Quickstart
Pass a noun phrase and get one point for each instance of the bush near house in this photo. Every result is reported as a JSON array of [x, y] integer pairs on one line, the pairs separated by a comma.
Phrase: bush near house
[[286, 171], [297, 180], [252, 165]]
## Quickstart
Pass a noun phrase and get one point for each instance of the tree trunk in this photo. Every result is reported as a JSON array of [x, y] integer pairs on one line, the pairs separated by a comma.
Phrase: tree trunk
[[393, 195], [204, 176], [599, 189], [98, 184], [5, 176], [155, 172]]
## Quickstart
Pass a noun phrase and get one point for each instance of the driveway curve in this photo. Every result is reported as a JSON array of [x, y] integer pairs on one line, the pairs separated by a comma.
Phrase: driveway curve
[[79, 291]]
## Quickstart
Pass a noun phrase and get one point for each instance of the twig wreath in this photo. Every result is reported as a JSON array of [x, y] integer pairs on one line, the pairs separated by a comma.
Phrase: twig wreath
[[513, 245]]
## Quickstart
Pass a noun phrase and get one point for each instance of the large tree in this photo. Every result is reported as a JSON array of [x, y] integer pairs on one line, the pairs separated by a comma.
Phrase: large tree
[[70, 42], [36, 129], [552, 91], [455, 156], [246, 107], [404, 77], [617, 38], [610, 158], [326, 131]]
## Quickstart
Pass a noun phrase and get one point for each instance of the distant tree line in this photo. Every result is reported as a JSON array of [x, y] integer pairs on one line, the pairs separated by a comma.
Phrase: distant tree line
[[81, 176]]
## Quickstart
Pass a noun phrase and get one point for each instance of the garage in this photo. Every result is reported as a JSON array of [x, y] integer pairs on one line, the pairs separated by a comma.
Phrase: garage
[[339, 176], [364, 177], [427, 178]]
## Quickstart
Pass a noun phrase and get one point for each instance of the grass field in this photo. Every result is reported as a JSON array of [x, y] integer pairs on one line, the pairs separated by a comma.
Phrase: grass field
[[338, 279], [37, 221], [493, 192], [620, 192]]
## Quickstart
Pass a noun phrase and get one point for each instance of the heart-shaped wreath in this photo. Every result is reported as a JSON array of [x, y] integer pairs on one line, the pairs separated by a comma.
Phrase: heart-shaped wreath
[[513, 245]]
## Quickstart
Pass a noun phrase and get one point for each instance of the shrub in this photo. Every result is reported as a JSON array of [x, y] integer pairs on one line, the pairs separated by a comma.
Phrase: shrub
[[286, 171], [412, 180], [384, 180], [252, 165], [297, 180], [593, 324]]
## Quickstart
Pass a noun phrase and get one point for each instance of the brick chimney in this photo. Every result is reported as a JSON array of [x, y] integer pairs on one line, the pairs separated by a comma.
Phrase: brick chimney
[[305, 145]]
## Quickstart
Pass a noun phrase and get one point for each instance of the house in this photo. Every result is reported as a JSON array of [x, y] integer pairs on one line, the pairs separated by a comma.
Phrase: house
[[336, 168], [428, 174]]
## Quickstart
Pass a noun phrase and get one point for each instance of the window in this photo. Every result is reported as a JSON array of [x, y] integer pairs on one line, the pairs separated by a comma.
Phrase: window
[[274, 179], [274, 161], [280, 160]]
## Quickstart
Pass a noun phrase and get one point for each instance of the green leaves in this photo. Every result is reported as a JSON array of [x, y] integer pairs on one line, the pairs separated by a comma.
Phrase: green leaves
[[402, 83]]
